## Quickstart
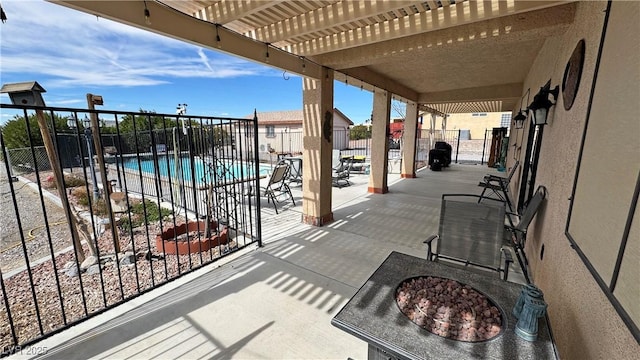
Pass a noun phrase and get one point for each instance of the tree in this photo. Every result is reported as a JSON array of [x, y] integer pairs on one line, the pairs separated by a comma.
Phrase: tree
[[15, 132], [138, 128], [145, 122], [360, 132]]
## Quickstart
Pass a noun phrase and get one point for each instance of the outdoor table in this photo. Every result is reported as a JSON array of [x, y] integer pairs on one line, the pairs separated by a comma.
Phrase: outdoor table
[[295, 162], [373, 316]]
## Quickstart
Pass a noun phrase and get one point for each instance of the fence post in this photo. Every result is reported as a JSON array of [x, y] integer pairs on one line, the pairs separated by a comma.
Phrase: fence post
[[59, 176], [484, 145], [8, 159], [458, 146], [256, 183]]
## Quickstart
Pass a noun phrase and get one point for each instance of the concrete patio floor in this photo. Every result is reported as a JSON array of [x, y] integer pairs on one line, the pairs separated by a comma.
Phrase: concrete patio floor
[[276, 302]]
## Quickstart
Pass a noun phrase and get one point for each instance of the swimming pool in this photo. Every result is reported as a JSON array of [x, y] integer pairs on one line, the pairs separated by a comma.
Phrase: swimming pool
[[167, 166]]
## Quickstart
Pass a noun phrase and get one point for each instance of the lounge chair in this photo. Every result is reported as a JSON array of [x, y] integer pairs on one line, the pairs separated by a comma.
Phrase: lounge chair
[[340, 175], [277, 186], [471, 233], [519, 229], [336, 158], [499, 186]]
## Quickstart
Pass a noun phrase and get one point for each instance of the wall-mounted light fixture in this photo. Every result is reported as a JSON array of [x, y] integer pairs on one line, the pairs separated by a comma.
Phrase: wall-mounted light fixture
[[541, 103], [519, 119]]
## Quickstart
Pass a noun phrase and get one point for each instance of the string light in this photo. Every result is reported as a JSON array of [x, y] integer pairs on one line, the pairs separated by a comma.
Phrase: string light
[[147, 14], [267, 55], [3, 16], [218, 37], [304, 66]]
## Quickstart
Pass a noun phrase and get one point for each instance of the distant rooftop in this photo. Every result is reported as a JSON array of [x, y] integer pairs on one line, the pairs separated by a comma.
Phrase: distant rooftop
[[288, 117]]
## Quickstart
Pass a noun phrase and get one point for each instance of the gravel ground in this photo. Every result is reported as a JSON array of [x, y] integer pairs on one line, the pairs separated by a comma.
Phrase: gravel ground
[[62, 297], [32, 220]]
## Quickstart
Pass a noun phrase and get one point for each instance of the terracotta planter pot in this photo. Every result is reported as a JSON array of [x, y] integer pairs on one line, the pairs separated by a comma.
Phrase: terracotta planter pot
[[166, 243]]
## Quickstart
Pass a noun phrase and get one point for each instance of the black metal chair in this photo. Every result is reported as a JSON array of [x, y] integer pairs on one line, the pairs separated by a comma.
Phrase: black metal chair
[[340, 175], [519, 229], [499, 186]]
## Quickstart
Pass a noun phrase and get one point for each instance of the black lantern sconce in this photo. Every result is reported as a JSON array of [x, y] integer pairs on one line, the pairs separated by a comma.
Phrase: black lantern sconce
[[541, 103], [520, 118]]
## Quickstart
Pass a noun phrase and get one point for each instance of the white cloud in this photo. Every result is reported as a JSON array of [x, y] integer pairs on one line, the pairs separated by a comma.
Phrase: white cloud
[[72, 48]]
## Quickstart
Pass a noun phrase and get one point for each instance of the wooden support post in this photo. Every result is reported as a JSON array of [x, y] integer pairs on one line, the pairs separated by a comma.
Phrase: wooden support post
[[93, 100], [59, 177]]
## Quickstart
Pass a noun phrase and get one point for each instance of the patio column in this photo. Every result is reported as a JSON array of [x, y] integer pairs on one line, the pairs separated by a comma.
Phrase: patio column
[[317, 132], [380, 142], [408, 169]]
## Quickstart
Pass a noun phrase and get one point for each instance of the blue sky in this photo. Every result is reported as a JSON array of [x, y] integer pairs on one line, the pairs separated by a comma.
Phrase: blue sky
[[71, 53]]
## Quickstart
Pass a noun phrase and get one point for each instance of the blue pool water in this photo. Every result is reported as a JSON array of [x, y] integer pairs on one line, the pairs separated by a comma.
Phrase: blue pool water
[[166, 168]]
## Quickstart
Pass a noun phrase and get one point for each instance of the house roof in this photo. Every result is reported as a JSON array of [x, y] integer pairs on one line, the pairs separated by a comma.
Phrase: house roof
[[288, 117], [335, 110]]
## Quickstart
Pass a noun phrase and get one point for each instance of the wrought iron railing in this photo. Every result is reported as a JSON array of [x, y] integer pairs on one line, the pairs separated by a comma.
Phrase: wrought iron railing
[[155, 197]]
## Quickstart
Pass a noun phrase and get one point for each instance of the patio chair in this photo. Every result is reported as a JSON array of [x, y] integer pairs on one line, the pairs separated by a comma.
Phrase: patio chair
[[499, 186], [519, 229], [471, 233], [340, 175], [277, 186]]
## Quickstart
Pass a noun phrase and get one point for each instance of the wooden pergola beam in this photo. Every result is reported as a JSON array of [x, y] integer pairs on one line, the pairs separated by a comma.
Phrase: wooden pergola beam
[[175, 24]]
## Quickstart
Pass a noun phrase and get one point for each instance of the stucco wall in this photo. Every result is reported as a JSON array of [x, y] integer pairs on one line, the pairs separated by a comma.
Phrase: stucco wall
[[584, 323], [476, 124]]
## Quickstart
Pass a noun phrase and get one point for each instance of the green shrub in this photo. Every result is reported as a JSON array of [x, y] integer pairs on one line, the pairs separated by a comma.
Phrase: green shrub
[[70, 181], [98, 207], [154, 213]]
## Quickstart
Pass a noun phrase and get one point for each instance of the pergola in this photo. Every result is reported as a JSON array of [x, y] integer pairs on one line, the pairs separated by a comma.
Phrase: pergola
[[439, 57]]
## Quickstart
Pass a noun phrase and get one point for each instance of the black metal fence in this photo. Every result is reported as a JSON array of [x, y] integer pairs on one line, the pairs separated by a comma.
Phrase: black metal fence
[[464, 150], [155, 197]]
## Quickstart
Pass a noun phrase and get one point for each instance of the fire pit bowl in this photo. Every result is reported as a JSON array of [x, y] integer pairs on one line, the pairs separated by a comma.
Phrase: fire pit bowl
[[189, 238], [449, 309], [372, 314]]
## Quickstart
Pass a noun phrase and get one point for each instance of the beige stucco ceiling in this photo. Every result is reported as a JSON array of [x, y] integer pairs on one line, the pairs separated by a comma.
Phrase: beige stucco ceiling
[[453, 56]]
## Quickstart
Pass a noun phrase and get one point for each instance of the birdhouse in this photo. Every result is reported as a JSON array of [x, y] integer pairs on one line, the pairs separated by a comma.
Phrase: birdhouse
[[24, 93]]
